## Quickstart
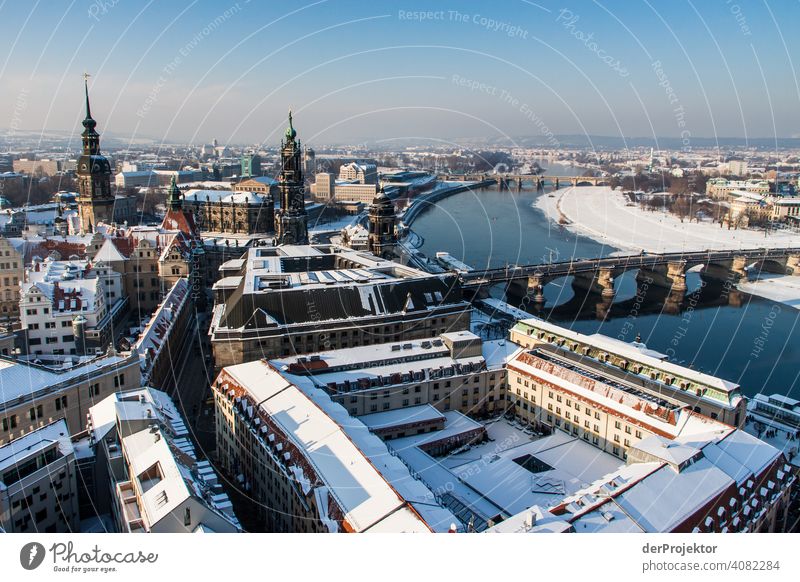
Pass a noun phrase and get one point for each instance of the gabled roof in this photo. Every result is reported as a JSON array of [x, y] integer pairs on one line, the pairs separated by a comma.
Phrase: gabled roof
[[110, 252], [179, 220]]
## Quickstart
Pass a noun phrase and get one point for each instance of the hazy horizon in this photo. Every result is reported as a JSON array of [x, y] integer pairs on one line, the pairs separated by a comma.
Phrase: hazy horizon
[[355, 71]]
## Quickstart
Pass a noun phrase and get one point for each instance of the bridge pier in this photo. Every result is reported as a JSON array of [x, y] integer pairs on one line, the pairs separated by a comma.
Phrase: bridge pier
[[738, 266], [600, 282], [535, 289], [671, 276], [793, 264]]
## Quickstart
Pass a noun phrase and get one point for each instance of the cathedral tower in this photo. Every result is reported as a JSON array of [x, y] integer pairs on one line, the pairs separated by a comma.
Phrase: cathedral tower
[[382, 226], [95, 200], [291, 221]]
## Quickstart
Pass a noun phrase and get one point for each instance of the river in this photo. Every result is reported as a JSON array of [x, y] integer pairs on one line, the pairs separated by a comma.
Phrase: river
[[742, 338]]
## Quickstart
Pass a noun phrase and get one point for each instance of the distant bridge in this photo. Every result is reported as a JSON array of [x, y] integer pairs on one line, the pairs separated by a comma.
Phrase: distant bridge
[[517, 180], [665, 270]]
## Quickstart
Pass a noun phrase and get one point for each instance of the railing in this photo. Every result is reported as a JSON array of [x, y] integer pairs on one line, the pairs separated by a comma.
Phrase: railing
[[625, 262]]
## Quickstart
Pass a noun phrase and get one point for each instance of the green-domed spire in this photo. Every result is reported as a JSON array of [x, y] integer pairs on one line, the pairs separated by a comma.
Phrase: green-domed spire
[[290, 132], [174, 201]]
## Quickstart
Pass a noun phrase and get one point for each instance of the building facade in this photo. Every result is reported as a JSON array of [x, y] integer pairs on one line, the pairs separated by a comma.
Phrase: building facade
[[35, 395], [308, 466], [11, 277], [453, 371], [239, 212], [38, 482], [278, 301], [643, 369], [291, 221], [147, 474]]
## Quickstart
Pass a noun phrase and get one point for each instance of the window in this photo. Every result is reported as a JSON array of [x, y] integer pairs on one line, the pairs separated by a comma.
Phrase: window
[[150, 477]]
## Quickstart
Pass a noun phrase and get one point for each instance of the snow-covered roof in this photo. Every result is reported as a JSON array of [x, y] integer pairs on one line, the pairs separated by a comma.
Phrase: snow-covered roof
[[401, 416], [109, 252], [157, 331], [179, 472], [368, 483], [533, 520], [40, 439], [658, 496], [19, 380], [632, 352], [659, 415], [566, 464], [224, 196]]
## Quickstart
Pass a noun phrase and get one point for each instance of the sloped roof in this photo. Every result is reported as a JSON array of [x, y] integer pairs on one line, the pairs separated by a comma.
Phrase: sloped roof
[[339, 302], [181, 221], [110, 252]]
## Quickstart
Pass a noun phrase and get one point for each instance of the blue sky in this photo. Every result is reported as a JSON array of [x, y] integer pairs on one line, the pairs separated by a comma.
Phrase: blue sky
[[354, 71]]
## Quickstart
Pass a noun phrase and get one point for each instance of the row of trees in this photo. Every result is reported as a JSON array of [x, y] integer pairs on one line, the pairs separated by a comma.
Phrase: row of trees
[[35, 191], [688, 184]]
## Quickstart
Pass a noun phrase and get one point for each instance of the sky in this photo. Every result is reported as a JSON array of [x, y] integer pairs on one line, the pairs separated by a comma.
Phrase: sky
[[374, 72]]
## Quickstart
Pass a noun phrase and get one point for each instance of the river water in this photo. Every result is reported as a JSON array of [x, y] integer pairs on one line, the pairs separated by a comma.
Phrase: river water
[[743, 338]]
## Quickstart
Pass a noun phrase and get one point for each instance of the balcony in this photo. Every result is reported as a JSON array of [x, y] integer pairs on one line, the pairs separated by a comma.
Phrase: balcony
[[129, 506]]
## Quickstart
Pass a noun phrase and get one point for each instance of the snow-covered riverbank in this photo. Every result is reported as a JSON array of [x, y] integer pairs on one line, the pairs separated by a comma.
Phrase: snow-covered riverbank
[[779, 288], [606, 216]]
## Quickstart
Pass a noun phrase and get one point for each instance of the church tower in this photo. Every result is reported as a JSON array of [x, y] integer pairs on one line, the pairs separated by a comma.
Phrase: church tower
[[382, 226], [95, 200], [291, 221]]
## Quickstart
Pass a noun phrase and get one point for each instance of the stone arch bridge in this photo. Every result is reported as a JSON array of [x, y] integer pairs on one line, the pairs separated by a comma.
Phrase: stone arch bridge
[[508, 181], [666, 270]]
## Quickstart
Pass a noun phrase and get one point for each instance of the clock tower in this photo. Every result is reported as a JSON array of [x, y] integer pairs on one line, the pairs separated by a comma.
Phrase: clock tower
[[291, 221], [95, 200]]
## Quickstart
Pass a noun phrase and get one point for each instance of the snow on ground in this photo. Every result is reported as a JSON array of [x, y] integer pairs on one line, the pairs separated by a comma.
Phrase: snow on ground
[[603, 214], [337, 224], [779, 288]]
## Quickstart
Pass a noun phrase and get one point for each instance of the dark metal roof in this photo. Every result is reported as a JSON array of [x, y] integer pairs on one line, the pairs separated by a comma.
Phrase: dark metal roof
[[306, 305]]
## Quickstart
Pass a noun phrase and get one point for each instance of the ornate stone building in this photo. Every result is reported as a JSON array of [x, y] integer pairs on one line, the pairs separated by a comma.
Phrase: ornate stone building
[[96, 201], [224, 211], [291, 221], [382, 226]]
